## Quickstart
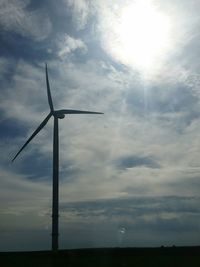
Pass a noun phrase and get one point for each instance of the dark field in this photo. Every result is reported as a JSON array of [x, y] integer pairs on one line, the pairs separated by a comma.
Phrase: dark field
[[123, 257]]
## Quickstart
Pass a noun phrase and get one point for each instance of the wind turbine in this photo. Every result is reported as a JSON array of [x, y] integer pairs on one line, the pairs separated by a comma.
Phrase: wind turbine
[[57, 114]]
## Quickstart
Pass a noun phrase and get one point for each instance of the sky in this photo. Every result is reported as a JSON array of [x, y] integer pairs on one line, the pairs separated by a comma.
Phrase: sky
[[128, 178]]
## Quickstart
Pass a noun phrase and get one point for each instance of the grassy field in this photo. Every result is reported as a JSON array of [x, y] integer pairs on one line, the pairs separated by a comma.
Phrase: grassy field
[[123, 257]]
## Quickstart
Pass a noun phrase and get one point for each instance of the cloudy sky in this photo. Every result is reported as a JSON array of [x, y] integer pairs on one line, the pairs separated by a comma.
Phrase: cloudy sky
[[130, 177]]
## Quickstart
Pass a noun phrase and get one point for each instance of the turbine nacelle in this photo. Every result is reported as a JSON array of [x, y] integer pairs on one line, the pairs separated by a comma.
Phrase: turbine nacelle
[[61, 116], [58, 114]]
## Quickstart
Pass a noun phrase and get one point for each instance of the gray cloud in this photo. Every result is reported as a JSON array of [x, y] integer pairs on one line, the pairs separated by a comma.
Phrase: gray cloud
[[137, 161], [164, 218], [145, 209]]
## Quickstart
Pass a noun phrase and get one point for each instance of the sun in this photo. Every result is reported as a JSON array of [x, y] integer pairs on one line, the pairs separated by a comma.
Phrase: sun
[[139, 34]]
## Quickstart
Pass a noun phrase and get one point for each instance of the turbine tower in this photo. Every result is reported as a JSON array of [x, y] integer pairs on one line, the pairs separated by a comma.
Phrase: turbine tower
[[57, 114]]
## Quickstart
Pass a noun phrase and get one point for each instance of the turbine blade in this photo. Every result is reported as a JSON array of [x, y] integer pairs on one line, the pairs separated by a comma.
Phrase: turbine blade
[[48, 91], [73, 111], [34, 134]]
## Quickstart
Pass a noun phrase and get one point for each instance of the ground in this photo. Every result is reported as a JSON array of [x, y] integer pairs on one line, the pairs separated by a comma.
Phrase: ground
[[118, 257]]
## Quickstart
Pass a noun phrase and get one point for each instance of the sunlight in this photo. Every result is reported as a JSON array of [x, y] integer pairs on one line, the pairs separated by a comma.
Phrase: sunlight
[[139, 35]]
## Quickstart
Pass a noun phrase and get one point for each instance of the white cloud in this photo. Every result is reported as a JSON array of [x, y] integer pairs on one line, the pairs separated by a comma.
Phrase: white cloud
[[68, 44], [15, 17], [21, 194], [26, 86], [80, 11]]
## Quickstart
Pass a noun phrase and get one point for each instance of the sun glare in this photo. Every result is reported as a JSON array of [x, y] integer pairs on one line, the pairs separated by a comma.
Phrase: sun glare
[[139, 35]]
